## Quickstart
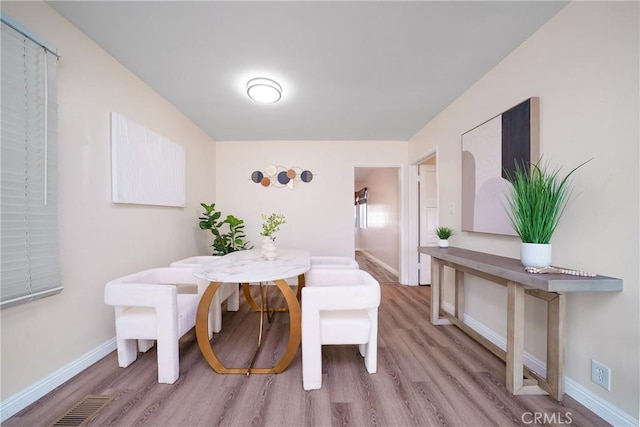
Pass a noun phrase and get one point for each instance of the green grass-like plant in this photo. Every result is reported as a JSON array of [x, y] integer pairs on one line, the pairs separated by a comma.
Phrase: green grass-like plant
[[444, 232], [537, 200]]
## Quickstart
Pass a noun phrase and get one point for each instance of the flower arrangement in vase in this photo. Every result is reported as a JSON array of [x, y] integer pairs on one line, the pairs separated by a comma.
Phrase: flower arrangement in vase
[[271, 224]]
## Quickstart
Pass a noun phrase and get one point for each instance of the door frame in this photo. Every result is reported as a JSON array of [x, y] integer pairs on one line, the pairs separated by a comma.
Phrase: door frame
[[413, 214]]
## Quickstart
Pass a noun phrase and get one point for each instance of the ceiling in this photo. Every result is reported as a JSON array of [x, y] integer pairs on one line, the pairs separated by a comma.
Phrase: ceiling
[[350, 70]]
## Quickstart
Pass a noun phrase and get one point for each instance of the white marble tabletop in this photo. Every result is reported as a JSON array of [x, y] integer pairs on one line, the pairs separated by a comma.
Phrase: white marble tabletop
[[251, 266]]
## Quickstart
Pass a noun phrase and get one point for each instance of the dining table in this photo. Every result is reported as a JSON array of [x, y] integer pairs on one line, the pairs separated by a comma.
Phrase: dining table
[[250, 267]]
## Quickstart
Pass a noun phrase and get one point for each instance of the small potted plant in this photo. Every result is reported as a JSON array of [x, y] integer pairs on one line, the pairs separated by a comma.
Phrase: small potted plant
[[271, 224], [536, 202], [443, 236]]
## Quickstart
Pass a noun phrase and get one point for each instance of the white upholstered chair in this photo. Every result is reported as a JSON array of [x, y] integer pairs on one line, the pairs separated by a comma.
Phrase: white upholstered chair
[[327, 262], [339, 306], [333, 262], [228, 291], [149, 308]]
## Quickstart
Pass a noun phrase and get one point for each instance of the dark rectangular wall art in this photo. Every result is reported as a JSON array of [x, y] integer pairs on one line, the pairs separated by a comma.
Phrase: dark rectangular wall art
[[489, 154]]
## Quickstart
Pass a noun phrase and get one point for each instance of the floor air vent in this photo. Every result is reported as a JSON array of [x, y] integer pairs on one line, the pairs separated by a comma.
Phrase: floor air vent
[[83, 410]]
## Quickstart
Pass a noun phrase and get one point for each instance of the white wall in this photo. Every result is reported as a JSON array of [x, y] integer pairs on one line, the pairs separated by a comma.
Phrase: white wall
[[320, 213], [584, 66], [381, 238], [99, 240]]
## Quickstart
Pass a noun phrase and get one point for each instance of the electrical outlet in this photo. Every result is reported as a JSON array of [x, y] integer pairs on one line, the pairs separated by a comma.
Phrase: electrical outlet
[[601, 374]]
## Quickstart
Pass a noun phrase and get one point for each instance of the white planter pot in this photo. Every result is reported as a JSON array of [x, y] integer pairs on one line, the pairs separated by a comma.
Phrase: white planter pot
[[535, 254], [443, 243], [268, 249]]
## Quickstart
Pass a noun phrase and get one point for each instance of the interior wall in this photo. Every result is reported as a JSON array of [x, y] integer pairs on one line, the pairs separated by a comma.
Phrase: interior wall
[[584, 66], [381, 237], [99, 240], [319, 214]]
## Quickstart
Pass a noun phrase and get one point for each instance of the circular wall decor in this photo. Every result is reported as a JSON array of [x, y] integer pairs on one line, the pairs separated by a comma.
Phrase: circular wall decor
[[280, 176]]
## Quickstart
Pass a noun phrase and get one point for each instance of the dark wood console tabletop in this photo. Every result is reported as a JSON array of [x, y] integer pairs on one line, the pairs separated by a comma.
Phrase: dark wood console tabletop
[[509, 272]]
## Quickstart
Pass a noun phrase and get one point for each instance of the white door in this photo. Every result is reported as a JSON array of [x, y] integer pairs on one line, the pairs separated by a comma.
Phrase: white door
[[427, 215]]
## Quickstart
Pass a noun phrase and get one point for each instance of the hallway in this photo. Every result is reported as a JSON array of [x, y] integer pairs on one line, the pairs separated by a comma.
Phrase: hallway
[[381, 274]]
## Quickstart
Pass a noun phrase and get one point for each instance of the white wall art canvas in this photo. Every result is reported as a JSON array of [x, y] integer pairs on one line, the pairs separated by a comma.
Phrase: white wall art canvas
[[490, 152], [146, 168]]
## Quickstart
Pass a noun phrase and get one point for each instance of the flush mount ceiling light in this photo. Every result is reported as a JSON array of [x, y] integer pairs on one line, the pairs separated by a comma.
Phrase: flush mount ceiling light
[[264, 90]]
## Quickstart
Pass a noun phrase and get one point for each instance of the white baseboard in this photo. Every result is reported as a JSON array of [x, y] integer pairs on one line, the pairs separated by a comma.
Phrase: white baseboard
[[590, 400], [26, 397], [380, 263], [598, 405]]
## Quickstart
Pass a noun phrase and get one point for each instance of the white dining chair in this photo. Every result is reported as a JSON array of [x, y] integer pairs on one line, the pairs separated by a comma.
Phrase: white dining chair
[[149, 308], [227, 292], [327, 262], [339, 306], [333, 262]]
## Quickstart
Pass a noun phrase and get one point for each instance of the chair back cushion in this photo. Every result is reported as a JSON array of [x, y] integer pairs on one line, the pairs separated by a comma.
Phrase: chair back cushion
[[333, 262], [149, 288], [340, 290]]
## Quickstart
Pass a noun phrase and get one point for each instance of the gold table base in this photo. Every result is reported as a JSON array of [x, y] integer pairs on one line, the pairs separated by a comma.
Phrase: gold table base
[[293, 307], [247, 295]]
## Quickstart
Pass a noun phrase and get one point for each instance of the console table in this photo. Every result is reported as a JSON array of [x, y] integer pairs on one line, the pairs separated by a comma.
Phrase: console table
[[509, 272]]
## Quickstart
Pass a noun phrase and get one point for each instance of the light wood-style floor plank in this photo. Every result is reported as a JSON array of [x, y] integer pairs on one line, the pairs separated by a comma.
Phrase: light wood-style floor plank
[[427, 376]]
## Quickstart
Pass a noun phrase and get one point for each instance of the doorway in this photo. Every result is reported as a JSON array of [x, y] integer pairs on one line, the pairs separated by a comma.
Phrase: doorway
[[427, 213], [377, 215]]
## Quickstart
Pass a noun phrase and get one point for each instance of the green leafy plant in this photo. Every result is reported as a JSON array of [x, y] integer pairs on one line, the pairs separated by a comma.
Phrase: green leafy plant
[[272, 224], [228, 233], [537, 200], [444, 232]]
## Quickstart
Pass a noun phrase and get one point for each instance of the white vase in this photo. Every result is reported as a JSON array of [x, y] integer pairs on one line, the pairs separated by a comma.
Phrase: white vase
[[268, 249], [443, 243], [535, 254]]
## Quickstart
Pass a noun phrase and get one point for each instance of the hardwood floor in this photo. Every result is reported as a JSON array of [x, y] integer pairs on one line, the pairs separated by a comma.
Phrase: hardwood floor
[[426, 376]]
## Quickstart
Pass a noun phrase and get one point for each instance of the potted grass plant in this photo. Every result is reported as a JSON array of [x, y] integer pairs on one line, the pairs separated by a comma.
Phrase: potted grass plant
[[538, 197], [443, 236]]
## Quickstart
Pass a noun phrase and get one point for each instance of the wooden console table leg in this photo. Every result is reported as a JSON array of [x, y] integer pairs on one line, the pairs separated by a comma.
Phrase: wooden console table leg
[[437, 279], [555, 345], [516, 384], [435, 291], [515, 337], [459, 294]]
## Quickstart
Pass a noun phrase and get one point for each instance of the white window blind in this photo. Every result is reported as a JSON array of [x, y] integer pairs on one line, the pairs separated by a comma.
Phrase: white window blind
[[28, 189]]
